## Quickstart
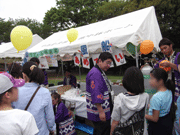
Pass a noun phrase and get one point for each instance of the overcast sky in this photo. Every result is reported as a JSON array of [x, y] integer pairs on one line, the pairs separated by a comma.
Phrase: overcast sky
[[33, 9]]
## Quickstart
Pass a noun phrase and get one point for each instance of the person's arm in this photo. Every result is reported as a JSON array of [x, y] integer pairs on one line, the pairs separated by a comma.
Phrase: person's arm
[[64, 82], [113, 126], [154, 117], [61, 113], [29, 125], [178, 109], [49, 113], [73, 81], [169, 64], [102, 115], [46, 78]]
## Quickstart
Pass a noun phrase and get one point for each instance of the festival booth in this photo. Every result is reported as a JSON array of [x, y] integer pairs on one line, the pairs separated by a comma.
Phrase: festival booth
[[112, 33], [8, 50], [120, 36], [9, 54]]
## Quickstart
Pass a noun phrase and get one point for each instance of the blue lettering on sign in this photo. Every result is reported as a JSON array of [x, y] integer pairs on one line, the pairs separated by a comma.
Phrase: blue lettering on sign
[[84, 49], [105, 46]]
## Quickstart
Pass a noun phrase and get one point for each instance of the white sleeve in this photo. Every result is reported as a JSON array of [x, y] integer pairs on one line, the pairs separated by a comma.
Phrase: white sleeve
[[29, 125], [116, 113]]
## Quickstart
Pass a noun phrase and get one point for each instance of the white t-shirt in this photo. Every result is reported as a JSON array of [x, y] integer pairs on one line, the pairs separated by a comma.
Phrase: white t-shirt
[[17, 122]]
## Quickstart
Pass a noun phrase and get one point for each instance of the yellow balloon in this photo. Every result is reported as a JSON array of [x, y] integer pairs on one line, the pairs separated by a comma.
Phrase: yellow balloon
[[21, 37], [72, 35]]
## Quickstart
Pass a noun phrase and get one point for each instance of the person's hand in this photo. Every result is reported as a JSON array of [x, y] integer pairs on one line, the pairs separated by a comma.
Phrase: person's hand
[[165, 64], [102, 116], [51, 133], [142, 67], [71, 114]]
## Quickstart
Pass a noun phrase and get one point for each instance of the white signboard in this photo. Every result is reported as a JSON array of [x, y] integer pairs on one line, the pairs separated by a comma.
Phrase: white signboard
[[85, 62], [119, 58]]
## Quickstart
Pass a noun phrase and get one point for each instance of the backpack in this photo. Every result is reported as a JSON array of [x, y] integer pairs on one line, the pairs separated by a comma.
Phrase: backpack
[[133, 126]]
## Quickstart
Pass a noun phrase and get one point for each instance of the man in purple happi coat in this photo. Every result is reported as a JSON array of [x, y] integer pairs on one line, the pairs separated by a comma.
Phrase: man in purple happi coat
[[98, 96], [173, 57]]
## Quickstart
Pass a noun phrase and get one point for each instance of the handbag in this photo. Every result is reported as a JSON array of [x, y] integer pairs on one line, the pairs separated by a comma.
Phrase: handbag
[[133, 126], [32, 98]]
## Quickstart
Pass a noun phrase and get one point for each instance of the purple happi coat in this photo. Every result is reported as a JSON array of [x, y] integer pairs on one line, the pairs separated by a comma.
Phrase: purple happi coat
[[96, 92], [73, 81], [176, 76], [66, 123]]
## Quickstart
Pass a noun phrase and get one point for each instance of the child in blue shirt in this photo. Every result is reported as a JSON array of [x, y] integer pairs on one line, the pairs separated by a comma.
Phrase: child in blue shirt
[[162, 108]]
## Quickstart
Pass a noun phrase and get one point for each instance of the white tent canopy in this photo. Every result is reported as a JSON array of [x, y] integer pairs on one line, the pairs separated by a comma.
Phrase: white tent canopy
[[131, 27], [8, 50]]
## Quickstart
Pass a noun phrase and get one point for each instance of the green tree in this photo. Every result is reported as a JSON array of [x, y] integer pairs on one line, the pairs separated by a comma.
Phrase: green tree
[[7, 26], [110, 9], [56, 20], [71, 13], [32, 24], [5, 30]]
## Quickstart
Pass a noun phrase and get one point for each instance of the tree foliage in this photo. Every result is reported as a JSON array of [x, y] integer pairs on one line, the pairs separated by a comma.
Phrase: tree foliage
[[5, 30], [71, 13], [7, 26], [110, 9]]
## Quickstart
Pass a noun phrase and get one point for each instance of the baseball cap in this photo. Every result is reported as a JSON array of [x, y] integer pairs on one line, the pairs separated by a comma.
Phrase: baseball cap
[[7, 81]]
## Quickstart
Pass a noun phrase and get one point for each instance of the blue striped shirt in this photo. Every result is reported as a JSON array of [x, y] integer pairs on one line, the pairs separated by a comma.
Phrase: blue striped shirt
[[41, 106]]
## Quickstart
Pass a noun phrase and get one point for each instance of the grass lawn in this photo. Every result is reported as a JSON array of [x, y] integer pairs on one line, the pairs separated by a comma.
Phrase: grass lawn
[[55, 79]]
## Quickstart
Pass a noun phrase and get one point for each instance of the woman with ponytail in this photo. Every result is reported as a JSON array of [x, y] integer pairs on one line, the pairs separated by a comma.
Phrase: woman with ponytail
[[162, 108], [41, 106]]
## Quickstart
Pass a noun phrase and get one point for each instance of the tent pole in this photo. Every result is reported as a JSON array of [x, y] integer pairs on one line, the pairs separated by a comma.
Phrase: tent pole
[[80, 70], [62, 68], [5, 64], [136, 57]]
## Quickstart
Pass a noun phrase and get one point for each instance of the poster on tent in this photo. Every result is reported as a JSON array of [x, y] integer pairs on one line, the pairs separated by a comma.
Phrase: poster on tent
[[95, 59], [84, 50], [106, 46], [52, 61], [85, 62], [67, 57], [43, 63], [77, 59], [119, 58]]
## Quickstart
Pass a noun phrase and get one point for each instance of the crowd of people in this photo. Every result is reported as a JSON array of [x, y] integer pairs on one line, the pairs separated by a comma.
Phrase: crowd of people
[[127, 115], [28, 108]]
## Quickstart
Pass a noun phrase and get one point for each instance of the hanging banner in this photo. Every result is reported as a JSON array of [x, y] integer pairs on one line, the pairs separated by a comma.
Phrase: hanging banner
[[85, 62], [95, 58], [52, 61], [43, 63], [119, 58], [84, 50], [106, 46], [77, 59]]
